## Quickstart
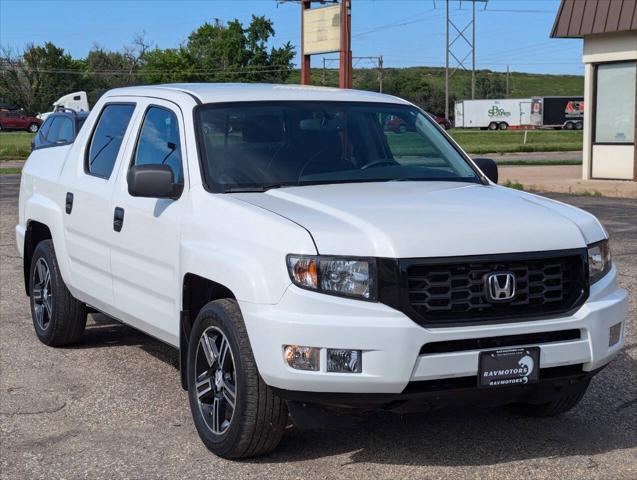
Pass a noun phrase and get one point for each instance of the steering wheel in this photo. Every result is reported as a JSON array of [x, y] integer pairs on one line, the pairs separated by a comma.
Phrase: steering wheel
[[377, 163]]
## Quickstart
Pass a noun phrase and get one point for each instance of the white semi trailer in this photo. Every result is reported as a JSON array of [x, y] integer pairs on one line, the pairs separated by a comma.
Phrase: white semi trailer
[[497, 114]]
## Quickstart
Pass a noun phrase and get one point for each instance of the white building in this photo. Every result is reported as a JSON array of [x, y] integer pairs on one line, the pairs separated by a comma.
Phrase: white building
[[609, 30]]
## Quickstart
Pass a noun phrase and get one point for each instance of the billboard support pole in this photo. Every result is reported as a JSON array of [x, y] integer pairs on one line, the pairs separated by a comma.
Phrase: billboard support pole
[[345, 71], [306, 69]]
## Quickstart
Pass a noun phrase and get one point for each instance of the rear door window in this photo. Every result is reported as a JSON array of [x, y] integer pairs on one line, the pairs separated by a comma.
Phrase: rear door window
[[107, 139]]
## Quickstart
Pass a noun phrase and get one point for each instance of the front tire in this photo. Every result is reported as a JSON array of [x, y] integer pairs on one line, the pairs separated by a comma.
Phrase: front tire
[[58, 318], [236, 414], [493, 126], [569, 398]]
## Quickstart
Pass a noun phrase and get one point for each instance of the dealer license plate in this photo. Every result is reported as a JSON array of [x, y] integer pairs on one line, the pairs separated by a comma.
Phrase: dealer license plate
[[509, 366]]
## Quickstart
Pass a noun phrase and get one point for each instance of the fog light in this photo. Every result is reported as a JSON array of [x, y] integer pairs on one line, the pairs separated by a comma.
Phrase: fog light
[[614, 334], [344, 361], [302, 358]]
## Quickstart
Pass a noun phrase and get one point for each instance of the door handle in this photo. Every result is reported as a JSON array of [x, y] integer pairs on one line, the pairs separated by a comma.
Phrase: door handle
[[69, 202], [118, 219]]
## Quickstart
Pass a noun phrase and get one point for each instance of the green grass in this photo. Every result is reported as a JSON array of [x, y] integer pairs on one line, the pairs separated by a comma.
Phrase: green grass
[[515, 185], [15, 145], [535, 163], [10, 170], [481, 141]]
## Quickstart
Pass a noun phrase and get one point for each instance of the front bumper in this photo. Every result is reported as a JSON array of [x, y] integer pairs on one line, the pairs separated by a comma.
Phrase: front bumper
[[391, 342]]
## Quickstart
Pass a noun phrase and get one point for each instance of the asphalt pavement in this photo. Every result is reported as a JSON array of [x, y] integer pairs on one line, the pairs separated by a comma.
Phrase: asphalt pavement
[[112, 406]]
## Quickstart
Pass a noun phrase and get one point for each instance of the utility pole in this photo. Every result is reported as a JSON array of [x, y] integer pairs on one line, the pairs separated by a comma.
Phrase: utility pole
[[507, 81], [380, 74], [306, 66], [447, 64], [473, 52], [460, 61], [323, 80], [345, 74]]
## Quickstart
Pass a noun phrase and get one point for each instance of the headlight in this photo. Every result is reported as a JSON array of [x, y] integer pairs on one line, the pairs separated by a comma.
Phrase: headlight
[[349, 277], [599, 261]]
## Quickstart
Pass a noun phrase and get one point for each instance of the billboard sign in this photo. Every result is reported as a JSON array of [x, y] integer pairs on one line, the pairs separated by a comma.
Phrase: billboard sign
[[322, 30]]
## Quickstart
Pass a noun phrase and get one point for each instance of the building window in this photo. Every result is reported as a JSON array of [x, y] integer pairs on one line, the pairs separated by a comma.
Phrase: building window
[[615, 103]]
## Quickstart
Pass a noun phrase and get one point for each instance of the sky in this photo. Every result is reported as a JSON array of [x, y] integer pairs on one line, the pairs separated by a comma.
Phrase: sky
[[404, 32]]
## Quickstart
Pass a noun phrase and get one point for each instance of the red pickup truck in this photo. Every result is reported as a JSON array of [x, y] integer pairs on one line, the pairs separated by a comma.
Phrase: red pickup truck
[[19, 121]]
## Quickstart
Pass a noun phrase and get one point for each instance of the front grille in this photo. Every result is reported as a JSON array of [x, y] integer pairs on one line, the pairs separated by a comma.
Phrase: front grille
[[453, 290]]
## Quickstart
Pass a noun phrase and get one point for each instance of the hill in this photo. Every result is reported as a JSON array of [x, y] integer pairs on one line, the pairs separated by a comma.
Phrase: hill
[[425, 85]]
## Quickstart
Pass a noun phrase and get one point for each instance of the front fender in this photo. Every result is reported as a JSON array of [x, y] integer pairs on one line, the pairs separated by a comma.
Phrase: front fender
[[241, 246]]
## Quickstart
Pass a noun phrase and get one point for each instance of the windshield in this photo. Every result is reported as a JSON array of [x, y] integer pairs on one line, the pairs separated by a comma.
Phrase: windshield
[[257, 146]]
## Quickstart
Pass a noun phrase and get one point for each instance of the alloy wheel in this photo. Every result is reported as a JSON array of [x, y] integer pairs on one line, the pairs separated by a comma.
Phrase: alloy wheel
[[42, 294], [215, 380]]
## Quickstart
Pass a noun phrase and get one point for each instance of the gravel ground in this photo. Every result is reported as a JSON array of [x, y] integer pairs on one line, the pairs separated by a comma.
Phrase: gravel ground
[[112, 407]]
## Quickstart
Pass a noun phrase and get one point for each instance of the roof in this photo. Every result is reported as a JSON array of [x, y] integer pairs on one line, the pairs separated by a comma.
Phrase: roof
[[577, 18], [247, 92]]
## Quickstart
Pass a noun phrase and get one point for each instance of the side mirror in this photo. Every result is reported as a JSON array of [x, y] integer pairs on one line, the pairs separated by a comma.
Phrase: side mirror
[[152, 181], [488, 167]]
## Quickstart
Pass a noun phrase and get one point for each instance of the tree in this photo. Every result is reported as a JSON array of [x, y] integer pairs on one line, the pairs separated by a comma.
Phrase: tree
[[489, 85], [39, 76], [166, 66], [224, 53]]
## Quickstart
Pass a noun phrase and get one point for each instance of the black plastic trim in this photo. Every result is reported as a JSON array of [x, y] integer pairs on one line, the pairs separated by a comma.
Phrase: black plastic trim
[[393, 290], [486, 343], [434, 394]]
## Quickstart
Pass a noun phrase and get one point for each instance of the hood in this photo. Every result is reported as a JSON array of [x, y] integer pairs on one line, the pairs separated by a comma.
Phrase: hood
[[428, 219]]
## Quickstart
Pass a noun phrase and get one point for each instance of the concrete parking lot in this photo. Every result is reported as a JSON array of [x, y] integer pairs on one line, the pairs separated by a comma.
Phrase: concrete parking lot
[[112, 406]]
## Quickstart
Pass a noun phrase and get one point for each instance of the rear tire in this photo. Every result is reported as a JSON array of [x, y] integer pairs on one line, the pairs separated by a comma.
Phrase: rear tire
[[503, 126], [34, 127], [566, 401], [58, 318], [402, 129], [255, 423], [493, 126], [579, 126], [568, 126]]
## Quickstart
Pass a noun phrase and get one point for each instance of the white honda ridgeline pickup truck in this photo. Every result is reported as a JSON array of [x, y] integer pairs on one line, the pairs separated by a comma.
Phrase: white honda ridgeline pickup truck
[[309, 262]]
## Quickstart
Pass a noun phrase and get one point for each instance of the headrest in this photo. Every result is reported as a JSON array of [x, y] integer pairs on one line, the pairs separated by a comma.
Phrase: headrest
[[262, 129]]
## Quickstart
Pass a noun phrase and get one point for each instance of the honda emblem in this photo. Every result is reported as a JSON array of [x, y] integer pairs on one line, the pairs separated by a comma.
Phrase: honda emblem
[[500, 286]]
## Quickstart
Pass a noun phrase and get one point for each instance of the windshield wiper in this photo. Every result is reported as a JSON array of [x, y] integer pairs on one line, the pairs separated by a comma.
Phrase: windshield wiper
[[256, 188]]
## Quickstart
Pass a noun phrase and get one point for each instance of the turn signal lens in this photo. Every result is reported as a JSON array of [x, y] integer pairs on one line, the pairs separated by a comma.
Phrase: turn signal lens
[[599, 260], [302, 358], [303, 271]]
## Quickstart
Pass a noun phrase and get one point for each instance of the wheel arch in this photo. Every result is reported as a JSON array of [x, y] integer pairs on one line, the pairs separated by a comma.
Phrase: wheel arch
[[35, 233], [197, 291]]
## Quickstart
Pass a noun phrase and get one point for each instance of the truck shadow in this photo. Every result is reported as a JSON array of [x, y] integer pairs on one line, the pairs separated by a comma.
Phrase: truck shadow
[[479, 437], [103, 331], [605, 420]]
